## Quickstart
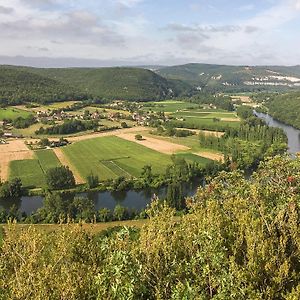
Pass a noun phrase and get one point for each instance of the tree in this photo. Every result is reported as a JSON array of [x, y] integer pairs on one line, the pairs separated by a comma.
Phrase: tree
[[60, 178], [92, 180], [119, 212], [11, 189], [104, 214], [124, 125], [147, 174], [138, 137]]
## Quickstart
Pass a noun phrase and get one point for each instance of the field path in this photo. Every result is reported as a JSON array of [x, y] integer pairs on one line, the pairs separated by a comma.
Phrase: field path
[[14, 150], [65, 162], [205, 132], [210, 155], [154, 144]]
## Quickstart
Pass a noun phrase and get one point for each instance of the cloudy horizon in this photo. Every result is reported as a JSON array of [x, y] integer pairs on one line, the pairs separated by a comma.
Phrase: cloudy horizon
[[54, 33]]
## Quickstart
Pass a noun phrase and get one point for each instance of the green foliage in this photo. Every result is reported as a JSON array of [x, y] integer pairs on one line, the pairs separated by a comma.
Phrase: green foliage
[[138, 137], [18, 85], [60, 178], [92, 180], [69, 126], [239, 240], [285, 108], [21, 122], [11, 189]]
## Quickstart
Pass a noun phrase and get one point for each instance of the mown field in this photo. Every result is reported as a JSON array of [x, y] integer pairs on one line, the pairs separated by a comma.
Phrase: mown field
[[32, 171], [12, 113], [109, 157]]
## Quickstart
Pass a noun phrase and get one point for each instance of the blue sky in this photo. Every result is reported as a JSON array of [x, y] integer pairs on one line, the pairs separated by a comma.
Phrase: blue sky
[[153, 32]]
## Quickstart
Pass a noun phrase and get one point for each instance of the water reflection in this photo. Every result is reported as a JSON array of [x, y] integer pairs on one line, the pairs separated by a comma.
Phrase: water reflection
[[137, 200]]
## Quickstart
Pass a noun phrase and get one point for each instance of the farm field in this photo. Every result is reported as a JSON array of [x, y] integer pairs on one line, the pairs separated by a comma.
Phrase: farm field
[[32, 171], [169, 106], [12, 113], [103, 156], [191, 142], [29, 171]]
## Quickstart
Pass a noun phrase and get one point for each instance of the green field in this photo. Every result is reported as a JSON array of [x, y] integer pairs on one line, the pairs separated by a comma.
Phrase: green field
[[169, 106], [12, 113], [32, 171], [47, 159], [109, 157]]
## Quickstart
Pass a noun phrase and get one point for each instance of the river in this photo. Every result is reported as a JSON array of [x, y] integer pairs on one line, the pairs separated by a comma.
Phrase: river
[[292, 133], [137, 200]]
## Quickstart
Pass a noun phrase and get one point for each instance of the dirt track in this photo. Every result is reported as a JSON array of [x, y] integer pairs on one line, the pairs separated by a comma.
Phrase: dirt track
[[155, 144], [14, 150], [65, 162]]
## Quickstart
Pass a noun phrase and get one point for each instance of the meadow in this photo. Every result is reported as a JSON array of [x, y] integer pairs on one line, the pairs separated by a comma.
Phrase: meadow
[[110, 157], [12, 113], [32, 171], [169, 106]]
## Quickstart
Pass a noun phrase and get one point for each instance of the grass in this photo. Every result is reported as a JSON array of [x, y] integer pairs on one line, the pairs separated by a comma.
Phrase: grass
[[47, 159], [169, 106], [12, 113], [32, 171], [30, 131], [131, 157]]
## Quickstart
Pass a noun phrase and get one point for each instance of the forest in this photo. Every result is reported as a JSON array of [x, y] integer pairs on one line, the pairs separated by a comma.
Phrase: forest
[[285, 108], [239, 240]]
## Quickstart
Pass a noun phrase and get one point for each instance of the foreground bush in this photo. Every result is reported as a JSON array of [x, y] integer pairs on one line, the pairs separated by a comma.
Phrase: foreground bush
[[240, 240]]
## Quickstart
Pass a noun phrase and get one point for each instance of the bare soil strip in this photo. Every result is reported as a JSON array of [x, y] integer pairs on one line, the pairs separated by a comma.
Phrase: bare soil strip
[[101, 134], [14, 150], [211, 155], [65, 162], [155, 144]]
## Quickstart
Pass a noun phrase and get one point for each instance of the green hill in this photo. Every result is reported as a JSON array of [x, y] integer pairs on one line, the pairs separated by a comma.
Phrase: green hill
[[18, 85], [235, 78], [48, 85]]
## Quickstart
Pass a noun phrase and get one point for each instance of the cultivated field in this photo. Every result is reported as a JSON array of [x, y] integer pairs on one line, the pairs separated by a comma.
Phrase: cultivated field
[[103, 156], [32, 171], [14, 150]]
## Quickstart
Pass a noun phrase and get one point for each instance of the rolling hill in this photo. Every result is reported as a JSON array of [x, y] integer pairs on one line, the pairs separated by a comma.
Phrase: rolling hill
[[48, 85], [235, 78]]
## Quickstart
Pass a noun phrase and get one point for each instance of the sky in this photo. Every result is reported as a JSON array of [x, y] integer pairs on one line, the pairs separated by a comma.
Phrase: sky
[[149, 32]]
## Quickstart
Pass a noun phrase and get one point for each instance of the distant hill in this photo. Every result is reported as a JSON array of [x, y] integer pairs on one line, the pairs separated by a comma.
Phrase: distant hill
[[40, 84], [235, 78]]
